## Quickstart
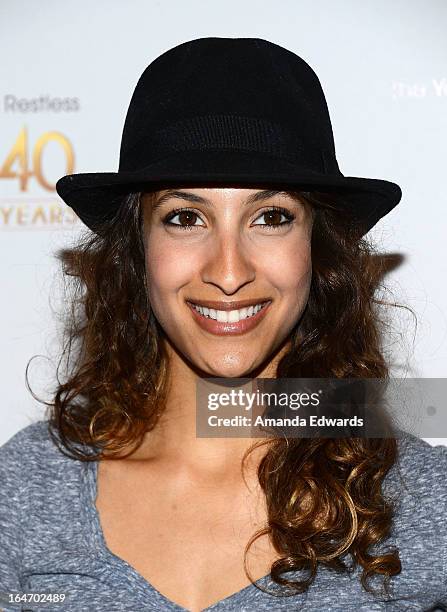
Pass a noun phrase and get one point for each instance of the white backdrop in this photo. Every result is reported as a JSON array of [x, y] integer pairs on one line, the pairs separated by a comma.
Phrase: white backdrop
[[67, 73]]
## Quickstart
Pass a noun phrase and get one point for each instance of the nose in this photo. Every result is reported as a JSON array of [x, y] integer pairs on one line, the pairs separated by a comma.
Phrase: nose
[[228, 266]]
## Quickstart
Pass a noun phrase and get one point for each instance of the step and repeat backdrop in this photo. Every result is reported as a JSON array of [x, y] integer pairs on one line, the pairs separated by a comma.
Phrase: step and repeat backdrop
[[67, 74]]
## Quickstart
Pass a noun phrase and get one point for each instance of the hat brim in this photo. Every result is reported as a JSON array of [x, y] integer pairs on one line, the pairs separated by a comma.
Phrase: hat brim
[[96, 197]]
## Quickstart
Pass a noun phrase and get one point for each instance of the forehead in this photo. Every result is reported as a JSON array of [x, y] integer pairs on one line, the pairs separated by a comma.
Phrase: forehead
[[208, 195], [224, 191]]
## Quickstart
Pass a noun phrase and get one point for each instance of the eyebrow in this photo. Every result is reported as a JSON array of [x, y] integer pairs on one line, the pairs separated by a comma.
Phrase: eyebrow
[[192, 197]]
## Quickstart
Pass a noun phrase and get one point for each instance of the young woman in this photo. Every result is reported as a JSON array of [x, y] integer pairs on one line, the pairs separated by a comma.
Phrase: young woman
[[228, 245]]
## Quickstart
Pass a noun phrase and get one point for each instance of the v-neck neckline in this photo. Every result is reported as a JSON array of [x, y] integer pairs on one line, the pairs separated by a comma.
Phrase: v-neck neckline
[[89, 492]]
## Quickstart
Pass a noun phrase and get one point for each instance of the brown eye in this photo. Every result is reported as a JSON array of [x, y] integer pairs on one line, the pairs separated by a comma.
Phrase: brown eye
[[186, 219], [274, 218]]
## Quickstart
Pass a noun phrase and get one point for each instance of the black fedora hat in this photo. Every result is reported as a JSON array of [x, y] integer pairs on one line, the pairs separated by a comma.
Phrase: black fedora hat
[[227, 111]]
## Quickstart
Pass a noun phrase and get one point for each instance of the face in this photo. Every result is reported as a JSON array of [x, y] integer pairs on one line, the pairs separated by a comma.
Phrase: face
[[228, 273]]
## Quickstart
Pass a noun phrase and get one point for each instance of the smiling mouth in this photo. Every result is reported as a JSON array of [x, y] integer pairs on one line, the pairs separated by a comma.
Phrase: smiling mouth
[[224, 322], [229, 316]]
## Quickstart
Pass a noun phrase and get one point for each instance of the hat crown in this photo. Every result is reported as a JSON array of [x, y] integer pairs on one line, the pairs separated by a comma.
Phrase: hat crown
[[221, 93], [221, 111]]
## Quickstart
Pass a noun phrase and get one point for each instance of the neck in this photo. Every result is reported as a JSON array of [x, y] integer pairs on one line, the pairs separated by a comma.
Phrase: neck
[[174, 437]]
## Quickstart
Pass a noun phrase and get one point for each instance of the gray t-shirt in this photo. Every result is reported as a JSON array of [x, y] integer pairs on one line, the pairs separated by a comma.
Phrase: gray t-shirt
[[51, 540]]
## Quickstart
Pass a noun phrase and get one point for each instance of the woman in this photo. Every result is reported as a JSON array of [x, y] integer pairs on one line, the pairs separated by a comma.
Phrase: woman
[[228, 245]]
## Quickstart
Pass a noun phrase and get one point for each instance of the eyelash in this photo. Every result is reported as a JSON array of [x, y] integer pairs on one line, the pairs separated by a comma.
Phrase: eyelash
[[289, 216]]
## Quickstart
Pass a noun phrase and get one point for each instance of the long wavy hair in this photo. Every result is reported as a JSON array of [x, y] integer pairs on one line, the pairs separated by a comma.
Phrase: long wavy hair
[[324, 496]]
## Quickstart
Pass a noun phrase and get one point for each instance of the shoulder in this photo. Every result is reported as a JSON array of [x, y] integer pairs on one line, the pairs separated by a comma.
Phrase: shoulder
[[31, 441], [31, 455], [417, 486], [419, 476], [40, 486], [423, 467], [34, 434]]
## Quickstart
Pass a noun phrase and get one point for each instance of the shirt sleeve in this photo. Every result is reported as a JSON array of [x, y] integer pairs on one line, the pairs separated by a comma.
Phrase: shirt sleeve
[[442, 526], [11, 487]]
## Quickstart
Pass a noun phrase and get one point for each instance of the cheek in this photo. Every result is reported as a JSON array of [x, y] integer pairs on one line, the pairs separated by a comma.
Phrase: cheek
[[167, 269], [290, 270]]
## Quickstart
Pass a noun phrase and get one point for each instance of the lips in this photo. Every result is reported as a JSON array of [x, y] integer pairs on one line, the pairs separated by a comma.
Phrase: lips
[[234, 305], [222, 328]]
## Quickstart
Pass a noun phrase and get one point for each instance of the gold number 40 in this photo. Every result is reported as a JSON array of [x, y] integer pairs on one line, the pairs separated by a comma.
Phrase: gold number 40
[[19, 155]]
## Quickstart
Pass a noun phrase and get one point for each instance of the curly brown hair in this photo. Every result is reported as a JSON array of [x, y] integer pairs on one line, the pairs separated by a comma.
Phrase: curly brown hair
[[323, 496]]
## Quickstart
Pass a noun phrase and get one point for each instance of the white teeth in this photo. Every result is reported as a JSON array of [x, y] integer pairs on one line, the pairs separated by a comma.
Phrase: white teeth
[[228, 316], [233, 316]]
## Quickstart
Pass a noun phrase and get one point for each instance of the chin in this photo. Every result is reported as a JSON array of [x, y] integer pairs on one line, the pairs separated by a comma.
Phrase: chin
[[232, 374], [230, 370]]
